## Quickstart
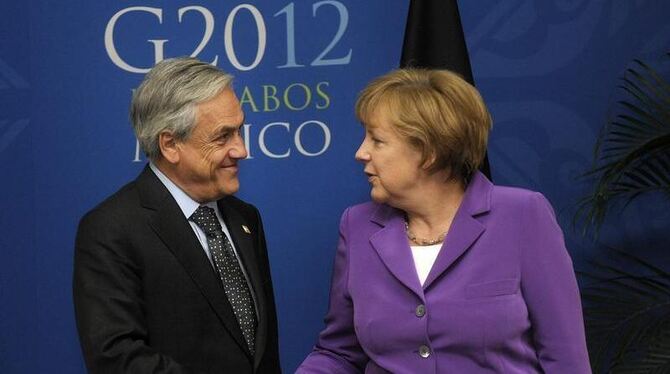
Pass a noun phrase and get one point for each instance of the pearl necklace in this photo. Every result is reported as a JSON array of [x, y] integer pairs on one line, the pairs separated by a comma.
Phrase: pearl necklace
[[421, 241]]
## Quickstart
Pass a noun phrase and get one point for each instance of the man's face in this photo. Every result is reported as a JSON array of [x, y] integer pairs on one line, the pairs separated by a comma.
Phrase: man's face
[[207, 162]]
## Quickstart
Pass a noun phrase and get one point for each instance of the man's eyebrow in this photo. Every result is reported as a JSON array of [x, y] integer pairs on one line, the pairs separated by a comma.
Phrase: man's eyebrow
[[229, 126], [232, 126], [226, 129]]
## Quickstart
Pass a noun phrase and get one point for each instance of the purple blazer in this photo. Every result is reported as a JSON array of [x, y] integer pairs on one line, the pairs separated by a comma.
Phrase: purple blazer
[[500, 298]]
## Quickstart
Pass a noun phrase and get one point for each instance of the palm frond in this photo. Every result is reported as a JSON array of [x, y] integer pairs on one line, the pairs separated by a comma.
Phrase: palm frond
[[632, 154], [627, 314]]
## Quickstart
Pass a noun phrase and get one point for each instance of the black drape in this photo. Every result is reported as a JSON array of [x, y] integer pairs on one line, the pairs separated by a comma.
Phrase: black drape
[[434, 39]]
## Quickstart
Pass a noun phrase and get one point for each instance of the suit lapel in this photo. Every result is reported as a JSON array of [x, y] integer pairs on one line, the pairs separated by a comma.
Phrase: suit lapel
[[244, 245], [173, 229], [391, 245], [465, 228]]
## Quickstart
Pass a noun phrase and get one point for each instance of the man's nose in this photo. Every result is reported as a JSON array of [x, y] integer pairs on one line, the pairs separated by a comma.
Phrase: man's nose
[[238, 149]]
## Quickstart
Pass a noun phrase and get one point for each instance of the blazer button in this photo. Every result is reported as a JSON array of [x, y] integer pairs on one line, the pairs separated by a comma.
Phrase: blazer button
[[424, 351], [420, 310]]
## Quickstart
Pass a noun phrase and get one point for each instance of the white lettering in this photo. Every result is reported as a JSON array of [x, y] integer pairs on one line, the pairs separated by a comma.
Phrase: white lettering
[[261, 140], [209, 28], [326, 138], [111, 48], [228, 37]]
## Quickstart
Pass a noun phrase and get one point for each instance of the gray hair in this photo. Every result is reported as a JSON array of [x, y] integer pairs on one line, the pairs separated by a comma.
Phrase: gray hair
[[166, 99]]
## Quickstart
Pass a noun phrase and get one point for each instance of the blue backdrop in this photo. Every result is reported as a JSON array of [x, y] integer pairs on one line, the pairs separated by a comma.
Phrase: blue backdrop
[[548, 71]]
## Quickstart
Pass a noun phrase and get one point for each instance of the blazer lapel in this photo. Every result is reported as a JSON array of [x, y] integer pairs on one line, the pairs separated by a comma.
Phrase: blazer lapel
[[465, 228], [173, 229], [392, 247], [244, 245]]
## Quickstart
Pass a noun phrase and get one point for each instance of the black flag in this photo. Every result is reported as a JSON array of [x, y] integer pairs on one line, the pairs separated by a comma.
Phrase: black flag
[[434, 39]]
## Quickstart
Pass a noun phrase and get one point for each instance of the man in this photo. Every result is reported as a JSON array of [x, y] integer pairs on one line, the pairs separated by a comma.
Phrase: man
[[171, 273]]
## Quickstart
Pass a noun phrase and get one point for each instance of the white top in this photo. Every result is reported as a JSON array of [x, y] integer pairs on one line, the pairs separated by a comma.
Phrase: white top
[[424, 258]]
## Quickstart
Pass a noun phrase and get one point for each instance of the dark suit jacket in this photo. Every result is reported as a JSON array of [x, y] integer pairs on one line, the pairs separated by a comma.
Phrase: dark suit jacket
[[147, 299]]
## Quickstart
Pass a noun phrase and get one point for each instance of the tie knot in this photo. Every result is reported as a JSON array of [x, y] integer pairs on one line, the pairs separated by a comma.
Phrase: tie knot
[[205, 218]]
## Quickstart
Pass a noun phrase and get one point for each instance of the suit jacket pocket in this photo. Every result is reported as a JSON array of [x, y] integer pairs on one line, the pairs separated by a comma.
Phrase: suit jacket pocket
[[492, 288]]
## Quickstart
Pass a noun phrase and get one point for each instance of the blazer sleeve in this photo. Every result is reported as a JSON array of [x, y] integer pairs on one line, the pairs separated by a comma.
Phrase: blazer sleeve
[[551, 293], [271, 362], [337, 349], [108, 302]]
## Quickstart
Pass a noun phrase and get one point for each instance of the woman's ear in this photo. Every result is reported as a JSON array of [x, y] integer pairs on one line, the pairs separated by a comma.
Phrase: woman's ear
[[429, 162]]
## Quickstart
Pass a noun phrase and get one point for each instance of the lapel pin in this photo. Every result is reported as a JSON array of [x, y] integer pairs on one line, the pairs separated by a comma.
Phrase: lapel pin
[[246, 229]]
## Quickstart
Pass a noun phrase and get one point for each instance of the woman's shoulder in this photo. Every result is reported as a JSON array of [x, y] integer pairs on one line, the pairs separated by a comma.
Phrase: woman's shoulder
[[369, 211], [481, 192], [366, 209], [513, 193], [516, 197]]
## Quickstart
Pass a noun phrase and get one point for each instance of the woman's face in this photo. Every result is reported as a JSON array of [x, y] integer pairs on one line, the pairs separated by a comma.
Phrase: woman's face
[[392, 165]]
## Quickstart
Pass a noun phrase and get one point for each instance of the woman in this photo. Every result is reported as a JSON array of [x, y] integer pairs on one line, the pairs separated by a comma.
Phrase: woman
[[445, 272]]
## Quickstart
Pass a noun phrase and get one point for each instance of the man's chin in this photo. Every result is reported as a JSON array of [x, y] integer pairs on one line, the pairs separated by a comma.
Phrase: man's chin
[[231, 187], [220, 190]]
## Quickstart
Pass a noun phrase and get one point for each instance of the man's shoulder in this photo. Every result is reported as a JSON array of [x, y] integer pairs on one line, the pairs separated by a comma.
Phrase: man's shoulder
[[117, 206]]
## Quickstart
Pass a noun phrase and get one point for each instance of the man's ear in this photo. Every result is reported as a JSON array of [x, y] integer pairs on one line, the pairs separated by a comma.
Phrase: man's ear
[[169, 147]]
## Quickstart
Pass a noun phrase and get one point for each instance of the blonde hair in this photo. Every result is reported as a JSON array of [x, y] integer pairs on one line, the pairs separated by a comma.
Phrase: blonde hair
[[437, 111]]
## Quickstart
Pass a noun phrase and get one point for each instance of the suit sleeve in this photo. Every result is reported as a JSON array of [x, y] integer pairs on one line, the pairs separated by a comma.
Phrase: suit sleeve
[[271, 363], [108, 302], [337, 350], [550, 290]]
